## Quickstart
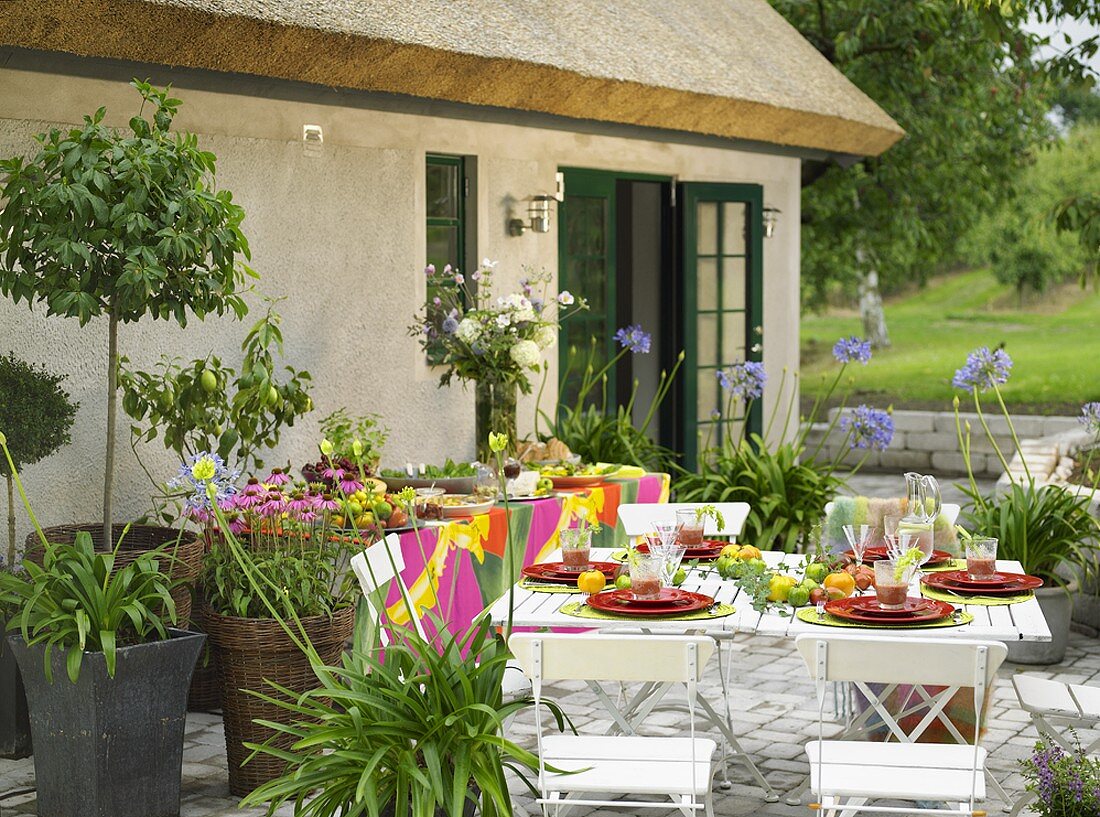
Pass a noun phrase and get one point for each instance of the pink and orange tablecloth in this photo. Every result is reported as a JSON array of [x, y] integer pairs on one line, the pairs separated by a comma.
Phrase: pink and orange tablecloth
[[457, 569]]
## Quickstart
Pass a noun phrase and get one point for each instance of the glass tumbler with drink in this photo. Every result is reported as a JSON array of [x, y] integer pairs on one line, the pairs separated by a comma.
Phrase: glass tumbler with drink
[[981, 557], [691, 527], [892, 583], [645, 576], [576, 544]]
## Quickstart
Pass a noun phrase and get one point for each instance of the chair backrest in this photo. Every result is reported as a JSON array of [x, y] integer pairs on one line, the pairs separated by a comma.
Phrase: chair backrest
[[638, 519], [949, 510], [611, 657], [378, 565]]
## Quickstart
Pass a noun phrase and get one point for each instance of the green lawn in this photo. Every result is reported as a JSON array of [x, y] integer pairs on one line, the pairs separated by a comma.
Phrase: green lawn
[[1054, 341]]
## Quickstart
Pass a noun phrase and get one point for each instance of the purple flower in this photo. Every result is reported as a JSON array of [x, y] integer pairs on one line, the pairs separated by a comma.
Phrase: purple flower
[[1090, 417], [983, 369], [327, 503], [476, 275], [852, 348], [277, 477], [634, 338], [537, 304], [437, 301], [429, 270], [869, 428], [460, 278], [745, 379], [450, 325], [273, 505], [195, 476], [299, 502], [250, 496], [447, 268], [349, 484]]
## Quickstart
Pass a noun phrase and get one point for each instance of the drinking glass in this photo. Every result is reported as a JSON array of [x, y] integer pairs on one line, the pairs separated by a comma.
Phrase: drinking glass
[[920, 535], [691, 527], [859, 539], [645, 577], [981, 557], [671, 555], [669, 532], [891, 588], [576, 545]]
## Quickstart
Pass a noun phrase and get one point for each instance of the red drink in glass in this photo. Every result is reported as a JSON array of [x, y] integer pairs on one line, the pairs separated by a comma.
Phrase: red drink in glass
[[646, 588], [892, 596], [892, 583], [691, 536], [980, 567], [575, 559]]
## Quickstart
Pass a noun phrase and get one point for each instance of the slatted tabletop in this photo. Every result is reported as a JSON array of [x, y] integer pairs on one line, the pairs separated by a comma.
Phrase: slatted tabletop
[[1011, 622]]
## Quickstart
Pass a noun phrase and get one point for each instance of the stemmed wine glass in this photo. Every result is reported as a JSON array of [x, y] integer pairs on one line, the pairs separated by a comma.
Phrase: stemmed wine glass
[[915, 537], [859, 538]]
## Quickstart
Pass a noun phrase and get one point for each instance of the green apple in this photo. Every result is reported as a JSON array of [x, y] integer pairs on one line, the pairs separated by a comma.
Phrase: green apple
[[816, 571]]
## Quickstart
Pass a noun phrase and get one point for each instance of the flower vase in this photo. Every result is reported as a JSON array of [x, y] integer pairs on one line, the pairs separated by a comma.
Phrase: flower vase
[[495, 410]]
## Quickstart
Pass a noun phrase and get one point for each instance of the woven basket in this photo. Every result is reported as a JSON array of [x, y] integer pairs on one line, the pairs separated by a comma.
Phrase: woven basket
[[138, 539], [250, 651]]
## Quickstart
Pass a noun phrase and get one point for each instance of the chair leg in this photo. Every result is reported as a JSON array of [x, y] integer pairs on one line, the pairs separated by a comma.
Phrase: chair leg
[[995, 784], [708, 804], [1026, 799], [853, 801]]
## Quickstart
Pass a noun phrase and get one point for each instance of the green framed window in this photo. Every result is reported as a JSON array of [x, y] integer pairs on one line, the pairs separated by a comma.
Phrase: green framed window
[[446, 186]]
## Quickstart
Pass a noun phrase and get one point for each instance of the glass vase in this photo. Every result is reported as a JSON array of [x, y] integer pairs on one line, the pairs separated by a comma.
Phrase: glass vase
[[495, 411]]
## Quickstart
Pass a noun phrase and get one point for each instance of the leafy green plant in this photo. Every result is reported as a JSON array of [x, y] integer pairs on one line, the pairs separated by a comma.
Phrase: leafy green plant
[[105, 224], [343, 431], [207, 406], [37, 414], [1065, 783], [602, 433]]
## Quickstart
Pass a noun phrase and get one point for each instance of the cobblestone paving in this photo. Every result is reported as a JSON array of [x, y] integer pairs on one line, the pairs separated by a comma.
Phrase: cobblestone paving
[[774, 711]]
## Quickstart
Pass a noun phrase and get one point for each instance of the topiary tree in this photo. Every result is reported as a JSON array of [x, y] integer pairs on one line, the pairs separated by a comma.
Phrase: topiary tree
[[35, 415], [103, 223]]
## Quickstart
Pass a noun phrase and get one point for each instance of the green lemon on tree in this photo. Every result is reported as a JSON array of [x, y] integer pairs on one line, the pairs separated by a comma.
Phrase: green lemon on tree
[[623, 582], [209, 381], [272, 396], [799, 596]]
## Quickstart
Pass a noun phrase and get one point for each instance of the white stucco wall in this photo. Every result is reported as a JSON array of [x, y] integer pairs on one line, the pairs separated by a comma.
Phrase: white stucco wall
[[342, 236]]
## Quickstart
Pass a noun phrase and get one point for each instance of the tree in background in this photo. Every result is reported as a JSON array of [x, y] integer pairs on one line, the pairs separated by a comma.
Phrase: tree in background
[[967, 85], [35, 417]]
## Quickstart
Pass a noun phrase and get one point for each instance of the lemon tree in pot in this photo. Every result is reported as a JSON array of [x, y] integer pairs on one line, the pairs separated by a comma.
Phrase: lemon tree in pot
[[1046, 528], [106, 678], [38, 414]]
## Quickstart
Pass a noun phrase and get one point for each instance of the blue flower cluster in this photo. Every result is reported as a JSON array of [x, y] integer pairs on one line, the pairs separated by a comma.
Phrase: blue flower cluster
[[744, 380], [851, 349], [1090, 417], [200, 470], [634, 338], [983, 369], [868, 428]]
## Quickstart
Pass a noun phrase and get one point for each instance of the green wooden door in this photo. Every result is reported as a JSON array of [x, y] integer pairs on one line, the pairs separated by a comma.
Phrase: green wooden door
[[586, 267], [723, 304]]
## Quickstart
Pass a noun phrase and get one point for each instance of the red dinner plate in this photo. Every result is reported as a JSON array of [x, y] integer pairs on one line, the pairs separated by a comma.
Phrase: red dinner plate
[[849, 610], [565, 483], [622, 602], [939, 557], [870, 606], [1021, 583], [708, 550], [553, 572], [963, 579]]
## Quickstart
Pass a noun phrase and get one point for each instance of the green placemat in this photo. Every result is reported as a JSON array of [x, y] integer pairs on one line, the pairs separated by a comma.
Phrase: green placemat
[[547, 587], [810, 616], [579, 609], [981, 601], [953, 564], [618, 555]]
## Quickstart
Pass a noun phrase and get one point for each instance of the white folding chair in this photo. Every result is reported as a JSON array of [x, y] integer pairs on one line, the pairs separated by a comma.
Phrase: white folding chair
[[638, 518], [382, 563], [575, 770], [950, 510], [1055, 707], [845, 775]]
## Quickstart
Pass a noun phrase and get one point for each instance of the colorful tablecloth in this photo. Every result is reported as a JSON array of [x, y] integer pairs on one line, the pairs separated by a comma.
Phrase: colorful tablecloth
[[457, 569]]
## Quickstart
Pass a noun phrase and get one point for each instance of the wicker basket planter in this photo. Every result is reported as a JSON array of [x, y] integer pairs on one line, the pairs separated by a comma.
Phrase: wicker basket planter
[[138, 540], [250, 651]]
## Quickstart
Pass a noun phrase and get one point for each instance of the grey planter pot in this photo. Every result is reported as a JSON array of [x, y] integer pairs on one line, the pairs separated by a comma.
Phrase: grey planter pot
[[15, 726], [1057, 606], [110, 747]]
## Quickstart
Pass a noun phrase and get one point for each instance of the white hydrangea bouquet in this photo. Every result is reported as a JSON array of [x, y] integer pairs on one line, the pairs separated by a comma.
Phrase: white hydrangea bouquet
[[479, 338]]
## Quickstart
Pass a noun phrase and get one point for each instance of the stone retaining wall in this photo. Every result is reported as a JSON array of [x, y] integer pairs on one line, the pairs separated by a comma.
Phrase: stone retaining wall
[[926, 441]]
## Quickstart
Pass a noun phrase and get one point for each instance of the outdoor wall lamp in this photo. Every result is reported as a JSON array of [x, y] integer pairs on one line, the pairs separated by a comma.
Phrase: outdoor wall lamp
[[538, 216], [771, 219]]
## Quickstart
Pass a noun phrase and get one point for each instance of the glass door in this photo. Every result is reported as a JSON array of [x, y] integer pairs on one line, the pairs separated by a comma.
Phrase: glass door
[[723, 305]]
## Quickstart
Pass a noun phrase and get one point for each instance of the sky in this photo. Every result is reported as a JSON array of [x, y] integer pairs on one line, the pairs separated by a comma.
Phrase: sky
[[1076, 30]]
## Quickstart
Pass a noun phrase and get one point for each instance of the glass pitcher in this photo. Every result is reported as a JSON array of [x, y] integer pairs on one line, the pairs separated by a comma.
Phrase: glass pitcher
[[922, 509]]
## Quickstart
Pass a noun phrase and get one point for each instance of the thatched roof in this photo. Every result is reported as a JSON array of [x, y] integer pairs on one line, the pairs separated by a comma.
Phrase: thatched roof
[[731, 68]]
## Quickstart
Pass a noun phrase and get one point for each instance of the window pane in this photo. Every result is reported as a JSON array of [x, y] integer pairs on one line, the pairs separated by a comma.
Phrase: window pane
[[587, 226], [707, 400], [588, 278], [707, 283], [733, 228], [706, 214], [733, 337], [442, 186], [707, 340], [443, 247], [733, 283]]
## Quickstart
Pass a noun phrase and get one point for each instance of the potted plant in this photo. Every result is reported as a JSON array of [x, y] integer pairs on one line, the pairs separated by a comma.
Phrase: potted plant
[[287, 529], [1062, 783], [494, 343], [106, 677], [353, 444], [38, 414], [101, 223], [1047, 529]]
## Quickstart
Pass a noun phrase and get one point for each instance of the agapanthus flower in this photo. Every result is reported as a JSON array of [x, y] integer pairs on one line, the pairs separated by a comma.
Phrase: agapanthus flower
[[565, 297], [634, 338], [277, 477], [869, 428], [744, 380], [450, 325], [349, 484], [198, 474], [1090, 417], [983, 369], [847, 350]]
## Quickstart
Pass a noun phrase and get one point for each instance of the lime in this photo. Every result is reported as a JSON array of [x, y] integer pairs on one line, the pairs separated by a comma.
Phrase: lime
[[679, 578], [209, 381], [623, 582]]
